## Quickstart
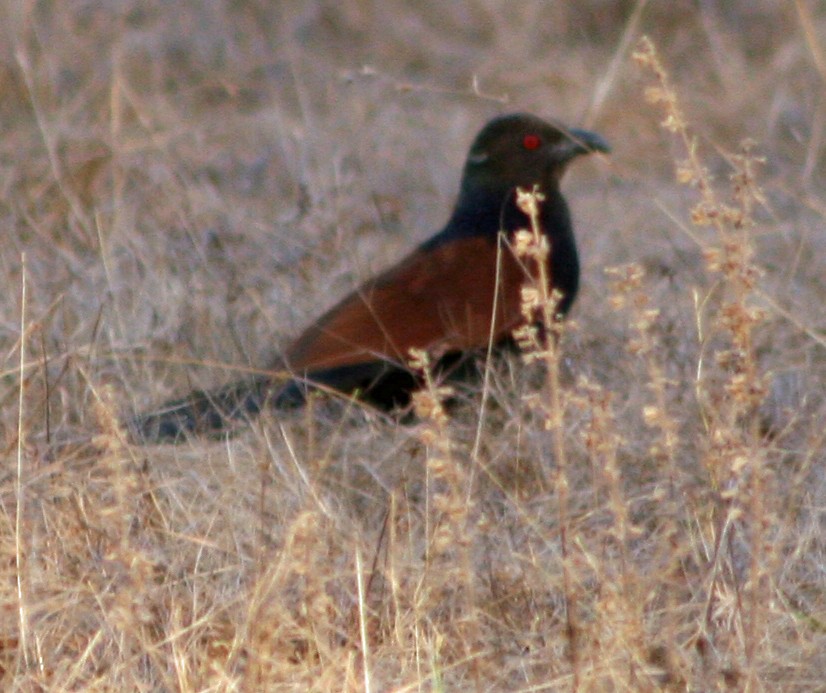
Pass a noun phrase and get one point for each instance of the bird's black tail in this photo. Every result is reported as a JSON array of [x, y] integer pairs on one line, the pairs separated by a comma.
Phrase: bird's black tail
[[204, 412], [379, 384]]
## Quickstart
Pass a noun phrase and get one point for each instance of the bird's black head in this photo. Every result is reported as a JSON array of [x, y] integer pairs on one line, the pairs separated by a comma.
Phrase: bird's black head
[[522, 150]]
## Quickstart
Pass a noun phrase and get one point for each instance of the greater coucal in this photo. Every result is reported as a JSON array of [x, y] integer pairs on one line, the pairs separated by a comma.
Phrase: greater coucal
[[440, 298]]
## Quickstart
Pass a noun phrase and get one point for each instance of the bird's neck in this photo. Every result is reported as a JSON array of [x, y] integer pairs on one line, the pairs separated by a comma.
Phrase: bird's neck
[[485, 213]]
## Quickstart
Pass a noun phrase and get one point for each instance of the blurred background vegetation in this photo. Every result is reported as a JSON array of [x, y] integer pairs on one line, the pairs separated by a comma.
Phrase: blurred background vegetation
[[190, 183]]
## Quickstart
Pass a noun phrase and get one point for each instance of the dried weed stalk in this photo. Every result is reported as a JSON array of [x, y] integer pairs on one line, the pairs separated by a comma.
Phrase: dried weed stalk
[[629, 294], [729, 387], [539, 340], [450, 575]]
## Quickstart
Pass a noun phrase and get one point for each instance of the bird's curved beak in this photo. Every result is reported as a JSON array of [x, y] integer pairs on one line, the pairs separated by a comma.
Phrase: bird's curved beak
[[585, 142]]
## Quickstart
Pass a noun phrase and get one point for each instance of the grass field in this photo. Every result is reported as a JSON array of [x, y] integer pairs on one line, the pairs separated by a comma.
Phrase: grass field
[[184, 186]]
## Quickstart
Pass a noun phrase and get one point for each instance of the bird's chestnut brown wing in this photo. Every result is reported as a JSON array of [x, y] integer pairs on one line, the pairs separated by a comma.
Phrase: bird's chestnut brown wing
[[440, 300]]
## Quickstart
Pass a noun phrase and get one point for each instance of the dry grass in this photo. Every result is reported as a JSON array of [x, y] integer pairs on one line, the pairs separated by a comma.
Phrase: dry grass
[[639, 507]]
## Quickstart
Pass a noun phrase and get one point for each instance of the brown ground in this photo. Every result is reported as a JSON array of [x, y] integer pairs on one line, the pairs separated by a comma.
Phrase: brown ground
[[185, 185]]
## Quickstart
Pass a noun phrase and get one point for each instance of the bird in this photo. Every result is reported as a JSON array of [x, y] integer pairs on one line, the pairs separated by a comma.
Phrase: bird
[[452, 296]]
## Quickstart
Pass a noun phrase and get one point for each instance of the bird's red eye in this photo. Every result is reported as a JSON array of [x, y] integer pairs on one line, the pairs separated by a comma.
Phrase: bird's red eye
[[531, 142]]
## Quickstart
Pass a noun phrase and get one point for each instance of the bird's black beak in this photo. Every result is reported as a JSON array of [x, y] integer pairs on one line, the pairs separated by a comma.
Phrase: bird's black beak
[[585, 142]]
